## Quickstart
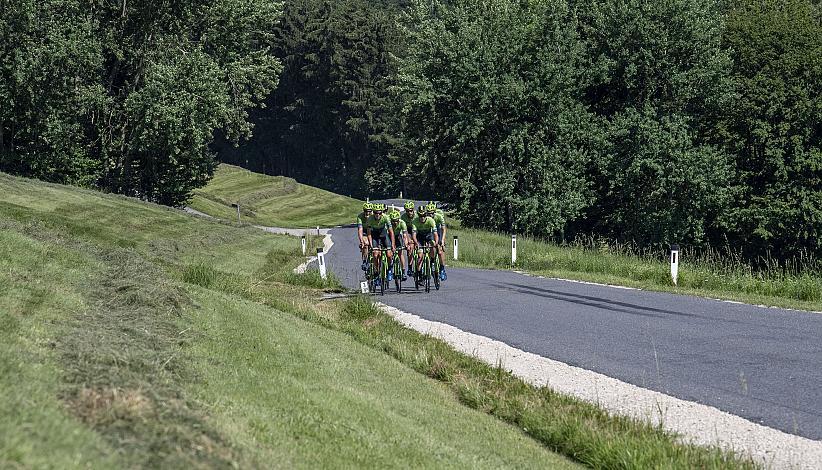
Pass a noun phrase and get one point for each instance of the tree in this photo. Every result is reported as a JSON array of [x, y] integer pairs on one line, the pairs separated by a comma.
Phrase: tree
[[774, 126], [325, 125], [50, 70], [490, 115], [658, 78], [126, 95]]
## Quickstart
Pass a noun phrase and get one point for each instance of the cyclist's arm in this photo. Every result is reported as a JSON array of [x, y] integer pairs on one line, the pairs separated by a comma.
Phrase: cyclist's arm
[[391, 237], [436, 237]]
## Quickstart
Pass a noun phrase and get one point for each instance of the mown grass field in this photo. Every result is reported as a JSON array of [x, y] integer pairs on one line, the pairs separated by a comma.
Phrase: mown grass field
[[273, 201], [133, 335], [715, 276], [722, 276]]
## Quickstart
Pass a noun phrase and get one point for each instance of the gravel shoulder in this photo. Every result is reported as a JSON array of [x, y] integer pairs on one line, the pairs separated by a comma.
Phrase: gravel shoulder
[[695, 423]]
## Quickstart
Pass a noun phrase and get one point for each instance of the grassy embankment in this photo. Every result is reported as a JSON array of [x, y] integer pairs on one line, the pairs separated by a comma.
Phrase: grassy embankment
[[273, 201], [717, 276], [136, 336], [133, 335]]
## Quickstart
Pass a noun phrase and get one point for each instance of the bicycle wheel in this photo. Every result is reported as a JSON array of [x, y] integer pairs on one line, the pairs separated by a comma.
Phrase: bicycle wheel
[[417, 274], [436, 272], [383, 272], [370, 275], [427, 272], [398, 272]]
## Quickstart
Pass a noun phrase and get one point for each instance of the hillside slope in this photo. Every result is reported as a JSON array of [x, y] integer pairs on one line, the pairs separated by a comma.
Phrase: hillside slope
[[132, 335], [274, 201]]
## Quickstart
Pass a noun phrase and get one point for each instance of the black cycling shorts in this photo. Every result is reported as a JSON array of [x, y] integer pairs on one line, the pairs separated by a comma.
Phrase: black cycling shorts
[[380, 239], [399, 241], [423, 237]]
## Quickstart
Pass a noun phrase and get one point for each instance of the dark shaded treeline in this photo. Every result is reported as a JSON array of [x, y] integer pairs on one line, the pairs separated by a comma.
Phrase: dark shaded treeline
[[690, 121], [652, 122]]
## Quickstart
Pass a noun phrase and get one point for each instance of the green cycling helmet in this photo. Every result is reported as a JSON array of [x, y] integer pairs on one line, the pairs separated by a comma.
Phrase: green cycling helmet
[[395, 215], [409, 204], [431, 207], [378, 207], [366, 206]]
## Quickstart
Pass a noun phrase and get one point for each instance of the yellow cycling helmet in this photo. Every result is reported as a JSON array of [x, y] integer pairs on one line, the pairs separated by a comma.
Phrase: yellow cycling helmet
[[431, 207], [395, 215], [409, 205], [366, 206]]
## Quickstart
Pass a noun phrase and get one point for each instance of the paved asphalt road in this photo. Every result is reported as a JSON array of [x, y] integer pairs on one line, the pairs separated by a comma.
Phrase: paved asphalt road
[[762, 364]]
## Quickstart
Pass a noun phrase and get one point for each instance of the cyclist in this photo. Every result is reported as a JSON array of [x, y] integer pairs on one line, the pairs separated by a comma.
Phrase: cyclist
[[361, 218], [426, 232], [439, 219], [400, 240], [408, 217], [380, 235]]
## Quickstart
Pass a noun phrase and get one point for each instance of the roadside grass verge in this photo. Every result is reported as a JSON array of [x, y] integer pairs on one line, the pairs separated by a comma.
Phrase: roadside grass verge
[[714, 275], [562, 423], [114, 354], [273, 201]]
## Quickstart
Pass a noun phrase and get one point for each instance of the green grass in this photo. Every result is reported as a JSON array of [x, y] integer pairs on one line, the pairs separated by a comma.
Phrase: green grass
[[273, 201], [133, 335], [712, 275]]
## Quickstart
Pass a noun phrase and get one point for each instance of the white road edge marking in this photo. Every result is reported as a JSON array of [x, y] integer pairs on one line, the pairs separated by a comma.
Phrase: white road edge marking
[[694, 422], [523, 273]]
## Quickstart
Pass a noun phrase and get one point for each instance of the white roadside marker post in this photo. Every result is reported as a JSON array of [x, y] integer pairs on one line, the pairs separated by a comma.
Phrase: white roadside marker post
[[674, 263], [237, 205], [321, 262], [302, 242], [364, 287], [513, 249], [318, 230], [456, 248]]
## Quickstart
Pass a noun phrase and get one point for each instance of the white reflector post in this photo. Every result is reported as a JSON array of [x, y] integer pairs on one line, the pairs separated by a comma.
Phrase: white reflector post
[[674, 263], [321, 262], [456, 248], [318, 230], [513, 249], [364, 287], [237, 205], [302, 242]]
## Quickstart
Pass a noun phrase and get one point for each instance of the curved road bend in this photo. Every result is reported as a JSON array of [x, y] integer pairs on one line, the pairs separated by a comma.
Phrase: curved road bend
[[758, 363]]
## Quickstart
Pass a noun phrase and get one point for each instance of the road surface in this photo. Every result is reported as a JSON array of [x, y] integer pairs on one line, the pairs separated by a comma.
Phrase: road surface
[[762, 364]]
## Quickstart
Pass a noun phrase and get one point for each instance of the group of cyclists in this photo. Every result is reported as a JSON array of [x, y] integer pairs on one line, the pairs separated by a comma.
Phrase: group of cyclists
[[381, 230]]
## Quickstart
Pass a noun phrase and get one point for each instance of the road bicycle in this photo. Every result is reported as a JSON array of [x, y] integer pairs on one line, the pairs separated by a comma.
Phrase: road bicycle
[[429, 270], [397, 268], [372, 275]]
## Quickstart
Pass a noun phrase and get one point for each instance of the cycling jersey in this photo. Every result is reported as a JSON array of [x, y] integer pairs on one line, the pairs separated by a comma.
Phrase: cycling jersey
[[399, 231], [409, 222], [361, 218], [439, 218], [425, 227], [378, 225], [378, 229]]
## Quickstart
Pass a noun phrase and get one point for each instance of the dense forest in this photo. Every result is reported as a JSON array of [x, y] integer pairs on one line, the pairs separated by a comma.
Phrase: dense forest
[[644, 121]]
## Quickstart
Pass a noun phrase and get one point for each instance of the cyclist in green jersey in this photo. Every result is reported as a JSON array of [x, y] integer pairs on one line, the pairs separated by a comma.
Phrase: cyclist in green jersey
[[400, 240], [361, 218], [426, 229], [439, 220], [380, 235], [408, 217]]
